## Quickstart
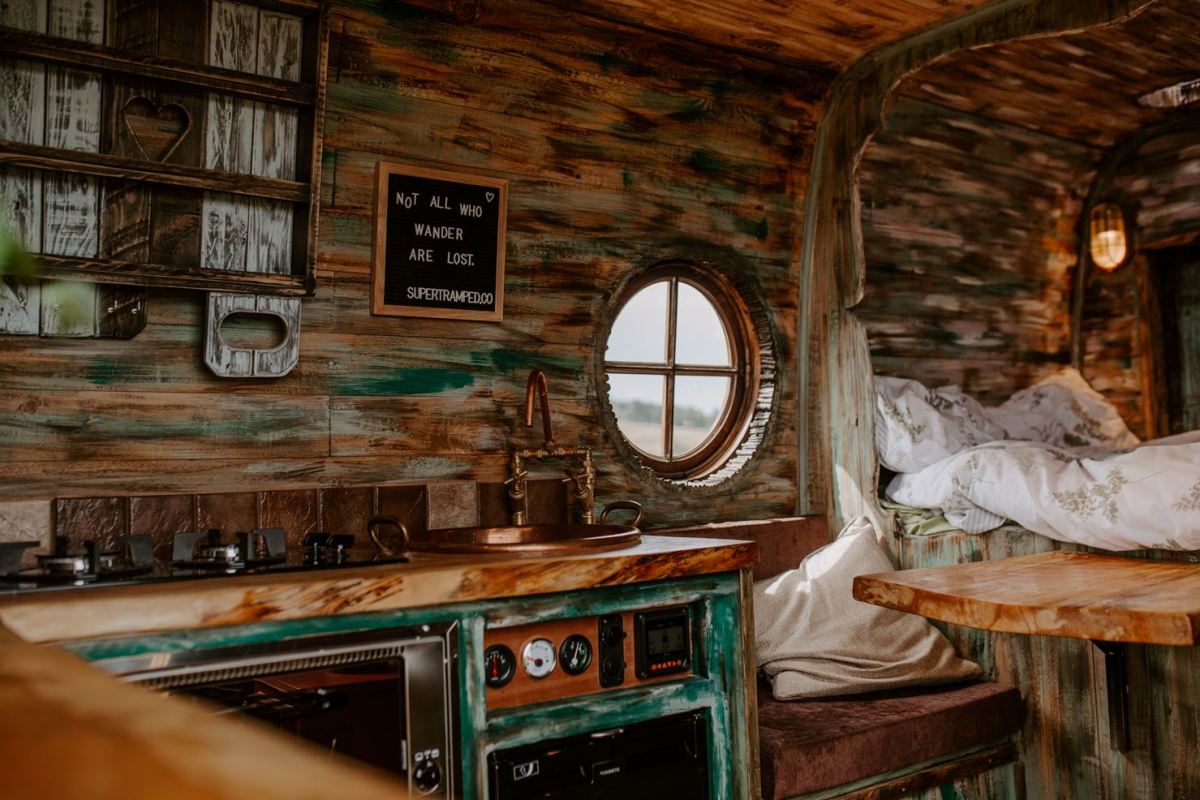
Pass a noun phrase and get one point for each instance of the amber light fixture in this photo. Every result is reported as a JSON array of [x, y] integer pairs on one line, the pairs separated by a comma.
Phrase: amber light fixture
[[1107, 240]]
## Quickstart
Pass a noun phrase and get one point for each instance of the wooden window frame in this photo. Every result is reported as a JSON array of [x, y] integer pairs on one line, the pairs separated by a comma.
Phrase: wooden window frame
[[742, 371], [306, 95]]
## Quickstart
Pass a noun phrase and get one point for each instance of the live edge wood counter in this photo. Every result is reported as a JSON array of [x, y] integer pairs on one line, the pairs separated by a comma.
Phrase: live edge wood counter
[[1112, 600], [1081, 595], [426, 581]]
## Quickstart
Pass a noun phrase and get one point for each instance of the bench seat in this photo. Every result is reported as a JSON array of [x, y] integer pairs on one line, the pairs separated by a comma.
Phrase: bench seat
[[812, 745]]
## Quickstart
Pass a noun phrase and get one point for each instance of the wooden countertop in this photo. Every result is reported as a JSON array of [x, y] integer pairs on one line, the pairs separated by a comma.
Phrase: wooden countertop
[[67, 729], [1080, 595], [426, 581]]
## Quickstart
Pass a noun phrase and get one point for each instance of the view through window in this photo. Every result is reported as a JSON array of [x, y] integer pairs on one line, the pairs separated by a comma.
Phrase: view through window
[[675, 367]]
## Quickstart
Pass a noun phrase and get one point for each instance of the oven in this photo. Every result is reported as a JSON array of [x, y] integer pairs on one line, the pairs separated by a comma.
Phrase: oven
[[387, 698]]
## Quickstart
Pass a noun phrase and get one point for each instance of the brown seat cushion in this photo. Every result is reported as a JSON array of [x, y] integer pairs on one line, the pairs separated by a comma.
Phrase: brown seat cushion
[[809, 745]]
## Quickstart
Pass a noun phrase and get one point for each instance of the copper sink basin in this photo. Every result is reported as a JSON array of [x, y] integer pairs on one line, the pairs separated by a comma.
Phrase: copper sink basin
[[526, 539]]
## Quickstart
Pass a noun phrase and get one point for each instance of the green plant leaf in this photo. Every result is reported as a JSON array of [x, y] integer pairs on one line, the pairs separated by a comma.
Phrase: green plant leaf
[[15, 261]]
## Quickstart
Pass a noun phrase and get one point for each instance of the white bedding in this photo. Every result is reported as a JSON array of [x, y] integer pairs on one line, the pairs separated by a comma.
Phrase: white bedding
[[1148, 497]]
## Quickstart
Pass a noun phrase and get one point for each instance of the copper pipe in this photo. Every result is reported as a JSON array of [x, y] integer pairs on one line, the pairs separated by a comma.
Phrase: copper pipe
[[537, 380]]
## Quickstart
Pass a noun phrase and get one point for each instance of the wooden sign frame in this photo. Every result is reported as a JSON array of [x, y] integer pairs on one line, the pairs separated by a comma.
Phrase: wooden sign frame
[[379, 306]]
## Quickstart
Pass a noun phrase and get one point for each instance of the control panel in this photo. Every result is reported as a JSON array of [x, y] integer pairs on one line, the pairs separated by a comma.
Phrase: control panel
[[612, 650], [546, 661], [663, 642]]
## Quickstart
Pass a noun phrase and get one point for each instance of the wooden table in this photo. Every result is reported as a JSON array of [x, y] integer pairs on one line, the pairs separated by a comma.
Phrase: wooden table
[[1110, 600]]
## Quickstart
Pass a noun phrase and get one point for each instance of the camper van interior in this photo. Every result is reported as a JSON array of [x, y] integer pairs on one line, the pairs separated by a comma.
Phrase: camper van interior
[[600, 399]]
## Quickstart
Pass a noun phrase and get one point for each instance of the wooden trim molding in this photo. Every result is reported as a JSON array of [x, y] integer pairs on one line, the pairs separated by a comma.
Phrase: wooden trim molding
[[929, 775]]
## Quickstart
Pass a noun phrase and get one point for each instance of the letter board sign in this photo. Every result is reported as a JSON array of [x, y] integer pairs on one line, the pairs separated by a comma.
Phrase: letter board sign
[[439, 244]]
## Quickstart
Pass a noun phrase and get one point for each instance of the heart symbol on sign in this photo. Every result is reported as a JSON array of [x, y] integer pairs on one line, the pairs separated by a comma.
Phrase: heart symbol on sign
[[490, 196], [157, 131]]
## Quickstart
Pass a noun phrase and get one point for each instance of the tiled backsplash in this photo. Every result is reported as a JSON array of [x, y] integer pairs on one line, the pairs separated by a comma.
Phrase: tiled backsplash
[[420, 507]]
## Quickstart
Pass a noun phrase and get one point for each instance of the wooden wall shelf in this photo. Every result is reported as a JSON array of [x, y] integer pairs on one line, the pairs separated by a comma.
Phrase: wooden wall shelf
[[136, 273], [167, 144], [133, 169], [112, 61]]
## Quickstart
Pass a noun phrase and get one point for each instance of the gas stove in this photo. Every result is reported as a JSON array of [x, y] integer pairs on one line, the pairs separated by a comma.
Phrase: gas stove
[[193, 556]]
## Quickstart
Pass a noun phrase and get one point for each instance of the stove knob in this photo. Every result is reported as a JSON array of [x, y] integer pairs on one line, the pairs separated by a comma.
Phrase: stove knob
[[427, 777]]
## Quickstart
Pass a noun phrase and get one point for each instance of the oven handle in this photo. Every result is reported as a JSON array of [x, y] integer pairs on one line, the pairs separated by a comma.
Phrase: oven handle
[[607, 734], [272, 705]]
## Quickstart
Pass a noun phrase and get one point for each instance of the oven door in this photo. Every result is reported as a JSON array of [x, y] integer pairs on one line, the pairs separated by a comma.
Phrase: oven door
[[387, 699]]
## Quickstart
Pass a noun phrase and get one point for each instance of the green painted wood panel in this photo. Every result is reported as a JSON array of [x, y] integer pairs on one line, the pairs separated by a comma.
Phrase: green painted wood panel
[[717, 687]]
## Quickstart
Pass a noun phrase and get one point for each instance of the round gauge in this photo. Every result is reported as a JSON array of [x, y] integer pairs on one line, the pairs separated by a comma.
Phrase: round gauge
[[538, 658], [576, 654], [499, 666]]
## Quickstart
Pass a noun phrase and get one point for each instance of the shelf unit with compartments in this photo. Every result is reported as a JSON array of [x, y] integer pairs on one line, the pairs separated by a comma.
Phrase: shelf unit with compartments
[[155, 143]]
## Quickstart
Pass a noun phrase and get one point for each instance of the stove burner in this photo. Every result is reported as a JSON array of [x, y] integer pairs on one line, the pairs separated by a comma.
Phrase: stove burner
[[78, 569], [194, 555], [220, 554], [66, 565], [260, 547]]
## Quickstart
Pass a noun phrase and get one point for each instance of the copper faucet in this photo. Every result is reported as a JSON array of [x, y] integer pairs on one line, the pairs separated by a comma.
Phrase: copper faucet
[[584, 482], [537, 381]]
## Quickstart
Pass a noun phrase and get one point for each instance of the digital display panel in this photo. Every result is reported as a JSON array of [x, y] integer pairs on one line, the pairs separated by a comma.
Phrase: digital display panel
[[663, 642], [667, 639]]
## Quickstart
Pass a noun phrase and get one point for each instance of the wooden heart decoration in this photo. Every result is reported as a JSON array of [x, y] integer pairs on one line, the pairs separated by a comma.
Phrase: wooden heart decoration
[[156, 130]]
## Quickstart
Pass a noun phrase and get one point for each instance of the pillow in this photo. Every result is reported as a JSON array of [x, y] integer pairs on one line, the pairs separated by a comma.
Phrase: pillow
[[916, 427], [813, 639], [1064, 411]]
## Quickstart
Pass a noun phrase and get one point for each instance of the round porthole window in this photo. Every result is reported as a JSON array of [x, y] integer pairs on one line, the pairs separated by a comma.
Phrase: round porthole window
[[681, 361]]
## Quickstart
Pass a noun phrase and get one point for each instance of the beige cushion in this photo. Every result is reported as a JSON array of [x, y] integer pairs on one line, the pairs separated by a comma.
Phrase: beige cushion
[[813, 639]]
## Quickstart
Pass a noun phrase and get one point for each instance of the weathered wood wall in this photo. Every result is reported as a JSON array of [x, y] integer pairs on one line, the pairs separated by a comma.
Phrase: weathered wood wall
[[969, 237], [1160, 185], [839, 471], [622, 146], [1156, 183]]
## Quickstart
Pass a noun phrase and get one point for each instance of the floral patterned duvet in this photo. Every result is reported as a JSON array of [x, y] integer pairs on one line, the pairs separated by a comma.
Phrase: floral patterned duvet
[[1148, 497]]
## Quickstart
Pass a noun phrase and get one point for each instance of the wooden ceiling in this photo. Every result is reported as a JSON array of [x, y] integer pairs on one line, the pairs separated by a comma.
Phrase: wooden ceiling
[[1082, 87], [820, 34]]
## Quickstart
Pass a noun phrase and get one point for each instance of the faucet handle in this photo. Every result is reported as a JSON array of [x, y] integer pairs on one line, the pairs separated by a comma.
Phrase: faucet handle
[[624, 505], [580, 482], [373, 530]]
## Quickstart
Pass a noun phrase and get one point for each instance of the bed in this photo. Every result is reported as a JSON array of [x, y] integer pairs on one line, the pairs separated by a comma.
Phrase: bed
[[1056, 459]]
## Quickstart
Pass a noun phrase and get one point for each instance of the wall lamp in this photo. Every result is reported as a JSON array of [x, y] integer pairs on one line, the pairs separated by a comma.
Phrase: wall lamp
[[1108, 241]]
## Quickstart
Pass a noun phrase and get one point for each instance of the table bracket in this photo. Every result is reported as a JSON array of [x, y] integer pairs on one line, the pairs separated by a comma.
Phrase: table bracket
[[1116, 679]]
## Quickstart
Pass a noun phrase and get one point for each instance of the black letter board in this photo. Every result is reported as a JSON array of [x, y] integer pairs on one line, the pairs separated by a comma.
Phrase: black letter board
[[439, 244]]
